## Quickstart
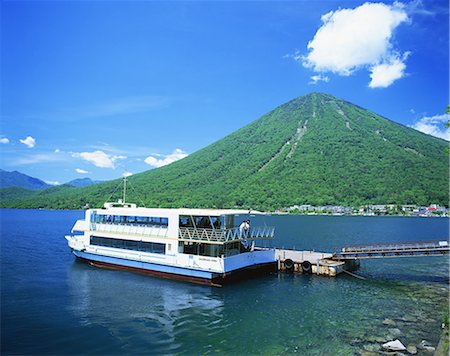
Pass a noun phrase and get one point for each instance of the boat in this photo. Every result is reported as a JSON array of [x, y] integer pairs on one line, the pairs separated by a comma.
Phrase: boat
[[206, 246]]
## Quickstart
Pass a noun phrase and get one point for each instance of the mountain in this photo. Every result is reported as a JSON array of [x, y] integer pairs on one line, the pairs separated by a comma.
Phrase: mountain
[[82, 182], [316, 149], [17, 179]]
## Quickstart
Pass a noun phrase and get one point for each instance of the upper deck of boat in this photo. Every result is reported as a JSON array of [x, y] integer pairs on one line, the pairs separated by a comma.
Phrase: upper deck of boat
[[134, 210]]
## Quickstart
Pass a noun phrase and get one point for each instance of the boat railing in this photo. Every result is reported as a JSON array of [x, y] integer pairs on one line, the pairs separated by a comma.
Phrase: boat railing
[[226, 235], [130, 229]]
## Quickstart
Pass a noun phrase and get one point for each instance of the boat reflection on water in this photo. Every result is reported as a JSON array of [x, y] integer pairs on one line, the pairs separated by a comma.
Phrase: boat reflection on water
[[142, 311]]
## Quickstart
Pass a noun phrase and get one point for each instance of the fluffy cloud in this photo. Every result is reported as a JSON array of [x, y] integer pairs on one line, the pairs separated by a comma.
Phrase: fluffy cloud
[[434, 125], [127, 174], [383, 75], [350, 39], [99, 158], [4, 140], [165, 160], [52, 182], [30, 142], [81, 171]]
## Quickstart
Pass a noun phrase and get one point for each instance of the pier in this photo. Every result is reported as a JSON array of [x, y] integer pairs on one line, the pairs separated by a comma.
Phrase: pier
[[311, 262], [393, 249], [347, 258]]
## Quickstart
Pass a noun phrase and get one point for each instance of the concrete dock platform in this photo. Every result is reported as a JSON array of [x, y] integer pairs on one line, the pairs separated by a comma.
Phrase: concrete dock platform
[[311, 262]]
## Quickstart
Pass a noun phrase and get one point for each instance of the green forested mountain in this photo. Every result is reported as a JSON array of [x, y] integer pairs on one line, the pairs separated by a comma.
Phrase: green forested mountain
[[316, 149]]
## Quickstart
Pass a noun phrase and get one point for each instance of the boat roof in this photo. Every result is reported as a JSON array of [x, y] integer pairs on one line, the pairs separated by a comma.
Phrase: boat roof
[[180, 211]]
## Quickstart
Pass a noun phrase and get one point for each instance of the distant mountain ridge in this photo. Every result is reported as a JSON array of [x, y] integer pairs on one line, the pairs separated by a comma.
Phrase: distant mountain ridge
[[21, 180], [82, 182], [17, 179], [315, 149]]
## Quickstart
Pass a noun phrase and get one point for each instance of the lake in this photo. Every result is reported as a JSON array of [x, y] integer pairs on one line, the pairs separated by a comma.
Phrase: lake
[[53, 304]]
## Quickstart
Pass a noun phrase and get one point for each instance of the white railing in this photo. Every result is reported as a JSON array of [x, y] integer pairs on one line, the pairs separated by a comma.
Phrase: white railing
[[226, 235], [395, 246], [130, 229]]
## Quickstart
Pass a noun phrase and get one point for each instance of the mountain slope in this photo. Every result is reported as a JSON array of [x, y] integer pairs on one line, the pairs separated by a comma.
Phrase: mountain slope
[[316, 149], [17, 179]]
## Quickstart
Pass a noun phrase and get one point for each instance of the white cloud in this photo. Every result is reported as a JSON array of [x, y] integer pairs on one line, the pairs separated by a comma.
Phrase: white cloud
[[99, 158], [434, 125], [38, 158], [127, 174], [383, 75], [297, 56], [4, 140], [57, 150], [30, 142], [52, 182], [351, 39], [81, 171], [417, 7], [159, 162], [319, 77]]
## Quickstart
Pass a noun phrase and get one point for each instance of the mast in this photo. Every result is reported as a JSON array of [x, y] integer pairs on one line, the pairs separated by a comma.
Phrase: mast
[[124, 187]]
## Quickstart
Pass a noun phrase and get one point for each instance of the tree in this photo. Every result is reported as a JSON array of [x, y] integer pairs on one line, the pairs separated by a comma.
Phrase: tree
[[447, 124]]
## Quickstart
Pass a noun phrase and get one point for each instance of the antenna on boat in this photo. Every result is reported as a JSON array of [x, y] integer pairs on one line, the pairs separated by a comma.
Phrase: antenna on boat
[[124, 187], [125, 175]]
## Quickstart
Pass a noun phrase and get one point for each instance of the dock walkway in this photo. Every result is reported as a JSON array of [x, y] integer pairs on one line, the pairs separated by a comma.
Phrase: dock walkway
[[393, 249]]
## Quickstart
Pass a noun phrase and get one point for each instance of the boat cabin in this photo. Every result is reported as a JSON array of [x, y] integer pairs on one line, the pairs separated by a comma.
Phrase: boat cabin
[[202, 232]]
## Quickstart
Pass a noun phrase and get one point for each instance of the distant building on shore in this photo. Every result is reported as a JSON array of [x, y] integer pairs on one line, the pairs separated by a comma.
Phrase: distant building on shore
[[371, 209]]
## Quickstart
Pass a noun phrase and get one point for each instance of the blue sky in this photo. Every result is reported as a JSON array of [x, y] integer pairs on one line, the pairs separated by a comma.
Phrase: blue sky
[[93, 88]]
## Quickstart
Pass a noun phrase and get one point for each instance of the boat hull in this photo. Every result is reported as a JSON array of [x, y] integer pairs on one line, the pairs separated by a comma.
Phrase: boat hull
[[177, 273]]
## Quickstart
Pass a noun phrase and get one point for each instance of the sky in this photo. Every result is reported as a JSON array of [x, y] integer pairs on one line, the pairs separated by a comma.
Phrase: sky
[[98, 88]]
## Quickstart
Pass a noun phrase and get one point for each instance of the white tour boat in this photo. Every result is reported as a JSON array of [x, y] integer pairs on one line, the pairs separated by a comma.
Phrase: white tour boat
[[207, 246]]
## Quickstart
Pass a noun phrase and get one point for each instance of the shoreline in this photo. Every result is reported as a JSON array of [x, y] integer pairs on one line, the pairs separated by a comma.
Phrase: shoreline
[[362, 215], [277, 213]]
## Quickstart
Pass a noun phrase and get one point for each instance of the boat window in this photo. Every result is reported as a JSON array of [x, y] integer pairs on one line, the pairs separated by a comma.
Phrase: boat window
[[159, 248], [216, 222], [186, 221], [201, 222], [130, 220], [234, 248], [131, 245], [190, 248], [194, 248], [152, 247], [155, 221], [229, 221]]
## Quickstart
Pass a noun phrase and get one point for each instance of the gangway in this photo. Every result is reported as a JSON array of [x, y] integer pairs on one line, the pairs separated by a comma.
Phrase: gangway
[[393, 249]]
